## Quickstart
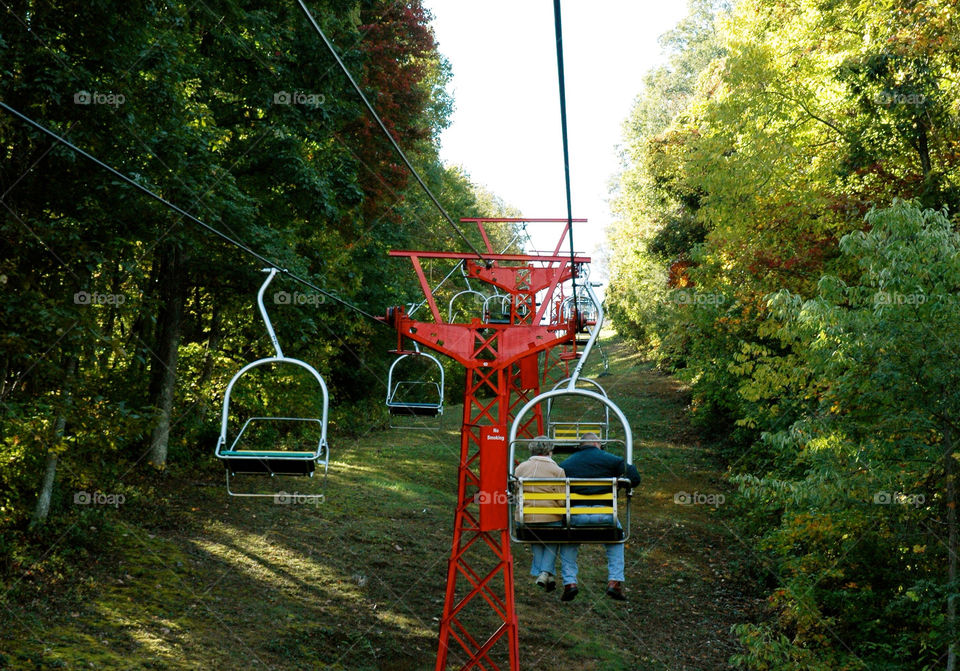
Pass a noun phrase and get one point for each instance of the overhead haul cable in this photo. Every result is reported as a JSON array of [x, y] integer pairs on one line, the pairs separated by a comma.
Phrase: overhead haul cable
[[239, 245], [383, 127]]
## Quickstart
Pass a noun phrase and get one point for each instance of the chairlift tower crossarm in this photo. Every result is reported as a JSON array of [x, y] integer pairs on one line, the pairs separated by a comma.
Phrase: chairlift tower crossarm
[[479, 343]]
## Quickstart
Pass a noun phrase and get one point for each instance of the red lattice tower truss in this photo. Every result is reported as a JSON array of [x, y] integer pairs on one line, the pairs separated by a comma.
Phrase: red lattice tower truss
[[478, 629]]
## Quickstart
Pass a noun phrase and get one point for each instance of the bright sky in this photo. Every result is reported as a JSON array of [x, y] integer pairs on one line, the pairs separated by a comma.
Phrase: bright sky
[[505, 130]]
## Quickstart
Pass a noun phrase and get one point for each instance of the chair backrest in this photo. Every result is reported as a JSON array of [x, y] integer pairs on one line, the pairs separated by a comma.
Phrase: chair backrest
[[573, 432], [607, 497], [601, 503]]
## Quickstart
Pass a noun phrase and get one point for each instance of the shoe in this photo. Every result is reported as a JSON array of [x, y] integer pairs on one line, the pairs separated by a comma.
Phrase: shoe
[[570, 592], [546, 581], [615, 590]]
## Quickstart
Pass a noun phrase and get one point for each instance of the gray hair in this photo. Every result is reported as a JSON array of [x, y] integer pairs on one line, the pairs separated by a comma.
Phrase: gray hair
[[540, 446], [590, 440]]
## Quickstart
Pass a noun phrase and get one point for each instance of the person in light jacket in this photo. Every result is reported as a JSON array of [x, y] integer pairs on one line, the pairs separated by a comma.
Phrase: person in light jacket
[[541, 465]]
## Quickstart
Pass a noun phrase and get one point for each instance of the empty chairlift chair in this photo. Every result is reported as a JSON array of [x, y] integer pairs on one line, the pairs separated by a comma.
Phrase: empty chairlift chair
[[240, 459], [451, 313], [496, 309], [415, 397], [567, 433], [575, 496]]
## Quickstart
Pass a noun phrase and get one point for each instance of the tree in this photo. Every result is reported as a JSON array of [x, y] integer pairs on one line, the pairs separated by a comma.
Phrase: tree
[[235, 113]]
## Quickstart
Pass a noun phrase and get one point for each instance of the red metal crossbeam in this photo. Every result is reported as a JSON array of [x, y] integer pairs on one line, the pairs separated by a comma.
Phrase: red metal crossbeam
[[533, 257], [526, 279], [479, 345], [518, 220]]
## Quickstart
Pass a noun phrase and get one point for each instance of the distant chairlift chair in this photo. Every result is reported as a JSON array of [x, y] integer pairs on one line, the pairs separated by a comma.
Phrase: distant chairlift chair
[[567, 434], [239, 460], [496, 309], [465, 292], [415, 398]]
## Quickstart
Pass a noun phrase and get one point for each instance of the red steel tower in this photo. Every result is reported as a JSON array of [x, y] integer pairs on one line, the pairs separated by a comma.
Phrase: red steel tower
[[502, 359]]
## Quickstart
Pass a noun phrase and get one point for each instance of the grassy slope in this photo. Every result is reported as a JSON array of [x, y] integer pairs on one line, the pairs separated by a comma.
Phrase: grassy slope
[[198, 580]]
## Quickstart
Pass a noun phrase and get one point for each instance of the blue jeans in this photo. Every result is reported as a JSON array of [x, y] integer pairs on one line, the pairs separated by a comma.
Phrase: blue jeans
[[544, 559], [570, 552], [544, 556]]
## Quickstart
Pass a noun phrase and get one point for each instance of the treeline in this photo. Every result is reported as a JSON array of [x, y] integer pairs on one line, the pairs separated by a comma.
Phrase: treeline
[[121, 321], [787, 242]]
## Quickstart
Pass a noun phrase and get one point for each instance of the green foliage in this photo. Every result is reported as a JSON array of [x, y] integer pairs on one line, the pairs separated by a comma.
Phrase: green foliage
[[762, 253], [238, 114]]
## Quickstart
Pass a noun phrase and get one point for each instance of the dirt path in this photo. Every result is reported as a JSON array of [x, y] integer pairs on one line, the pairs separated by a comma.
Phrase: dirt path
[[192, 579]]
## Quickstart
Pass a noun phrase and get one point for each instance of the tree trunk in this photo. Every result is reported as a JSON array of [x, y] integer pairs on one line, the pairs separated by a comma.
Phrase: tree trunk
[[950, 468], [113, 312], [213, 344], [42, 509], [137, 341], [163, 367], [923, 149]]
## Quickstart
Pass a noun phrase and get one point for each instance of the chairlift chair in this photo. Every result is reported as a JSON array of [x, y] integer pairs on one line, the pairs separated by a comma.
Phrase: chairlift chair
[[586, 309], [609, 496], [497, 316], [457, 295], [414, 398], [240, 460], [567, 434]]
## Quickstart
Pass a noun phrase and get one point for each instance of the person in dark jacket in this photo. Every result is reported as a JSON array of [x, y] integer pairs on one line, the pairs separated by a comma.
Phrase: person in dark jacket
[[591, 461]]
